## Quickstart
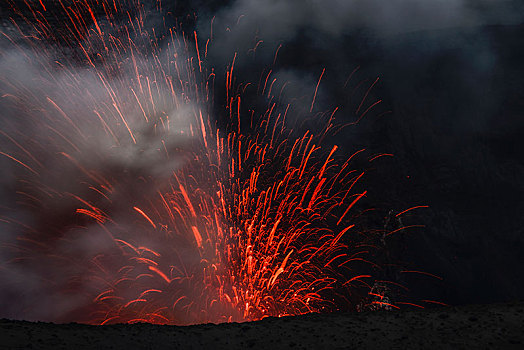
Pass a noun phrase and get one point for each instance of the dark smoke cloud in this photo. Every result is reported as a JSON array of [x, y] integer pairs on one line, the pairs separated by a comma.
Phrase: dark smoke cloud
[[281, 20], [338, 35], [446, 46]]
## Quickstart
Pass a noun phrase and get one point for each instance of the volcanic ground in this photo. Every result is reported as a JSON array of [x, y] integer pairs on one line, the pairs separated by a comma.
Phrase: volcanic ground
[[498, 326]]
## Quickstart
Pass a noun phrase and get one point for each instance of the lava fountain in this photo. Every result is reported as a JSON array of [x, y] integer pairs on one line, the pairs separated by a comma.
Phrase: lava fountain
[[130, 204]]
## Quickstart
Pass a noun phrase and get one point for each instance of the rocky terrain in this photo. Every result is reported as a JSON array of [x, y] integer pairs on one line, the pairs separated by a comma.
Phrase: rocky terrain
[[499, 326]]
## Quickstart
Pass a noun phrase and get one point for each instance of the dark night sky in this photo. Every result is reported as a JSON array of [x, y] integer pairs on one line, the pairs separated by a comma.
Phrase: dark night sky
[[452, 84]]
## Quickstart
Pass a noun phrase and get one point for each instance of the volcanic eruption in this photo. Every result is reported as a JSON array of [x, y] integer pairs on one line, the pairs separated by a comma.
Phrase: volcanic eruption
[[136, 195]]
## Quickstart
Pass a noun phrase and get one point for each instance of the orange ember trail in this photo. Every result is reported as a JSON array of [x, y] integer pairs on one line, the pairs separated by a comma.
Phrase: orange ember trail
[[316, 90], [145, 216]]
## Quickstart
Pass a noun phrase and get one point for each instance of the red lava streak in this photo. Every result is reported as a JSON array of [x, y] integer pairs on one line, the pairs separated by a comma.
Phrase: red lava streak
[[148, 211]]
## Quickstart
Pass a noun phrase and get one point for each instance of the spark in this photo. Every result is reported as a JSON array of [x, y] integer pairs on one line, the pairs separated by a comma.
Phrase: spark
[[410, 209], [316, 90], [141, 212]]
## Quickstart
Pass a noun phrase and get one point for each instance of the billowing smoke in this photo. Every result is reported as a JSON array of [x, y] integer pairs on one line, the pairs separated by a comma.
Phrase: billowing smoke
[[78, 144]]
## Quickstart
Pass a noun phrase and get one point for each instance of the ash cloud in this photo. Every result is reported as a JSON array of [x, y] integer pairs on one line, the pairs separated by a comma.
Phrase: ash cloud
[[63, 139]]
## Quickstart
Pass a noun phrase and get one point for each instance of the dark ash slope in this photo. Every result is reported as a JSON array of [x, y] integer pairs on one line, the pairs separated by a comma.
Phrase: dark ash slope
[[498, 326]]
